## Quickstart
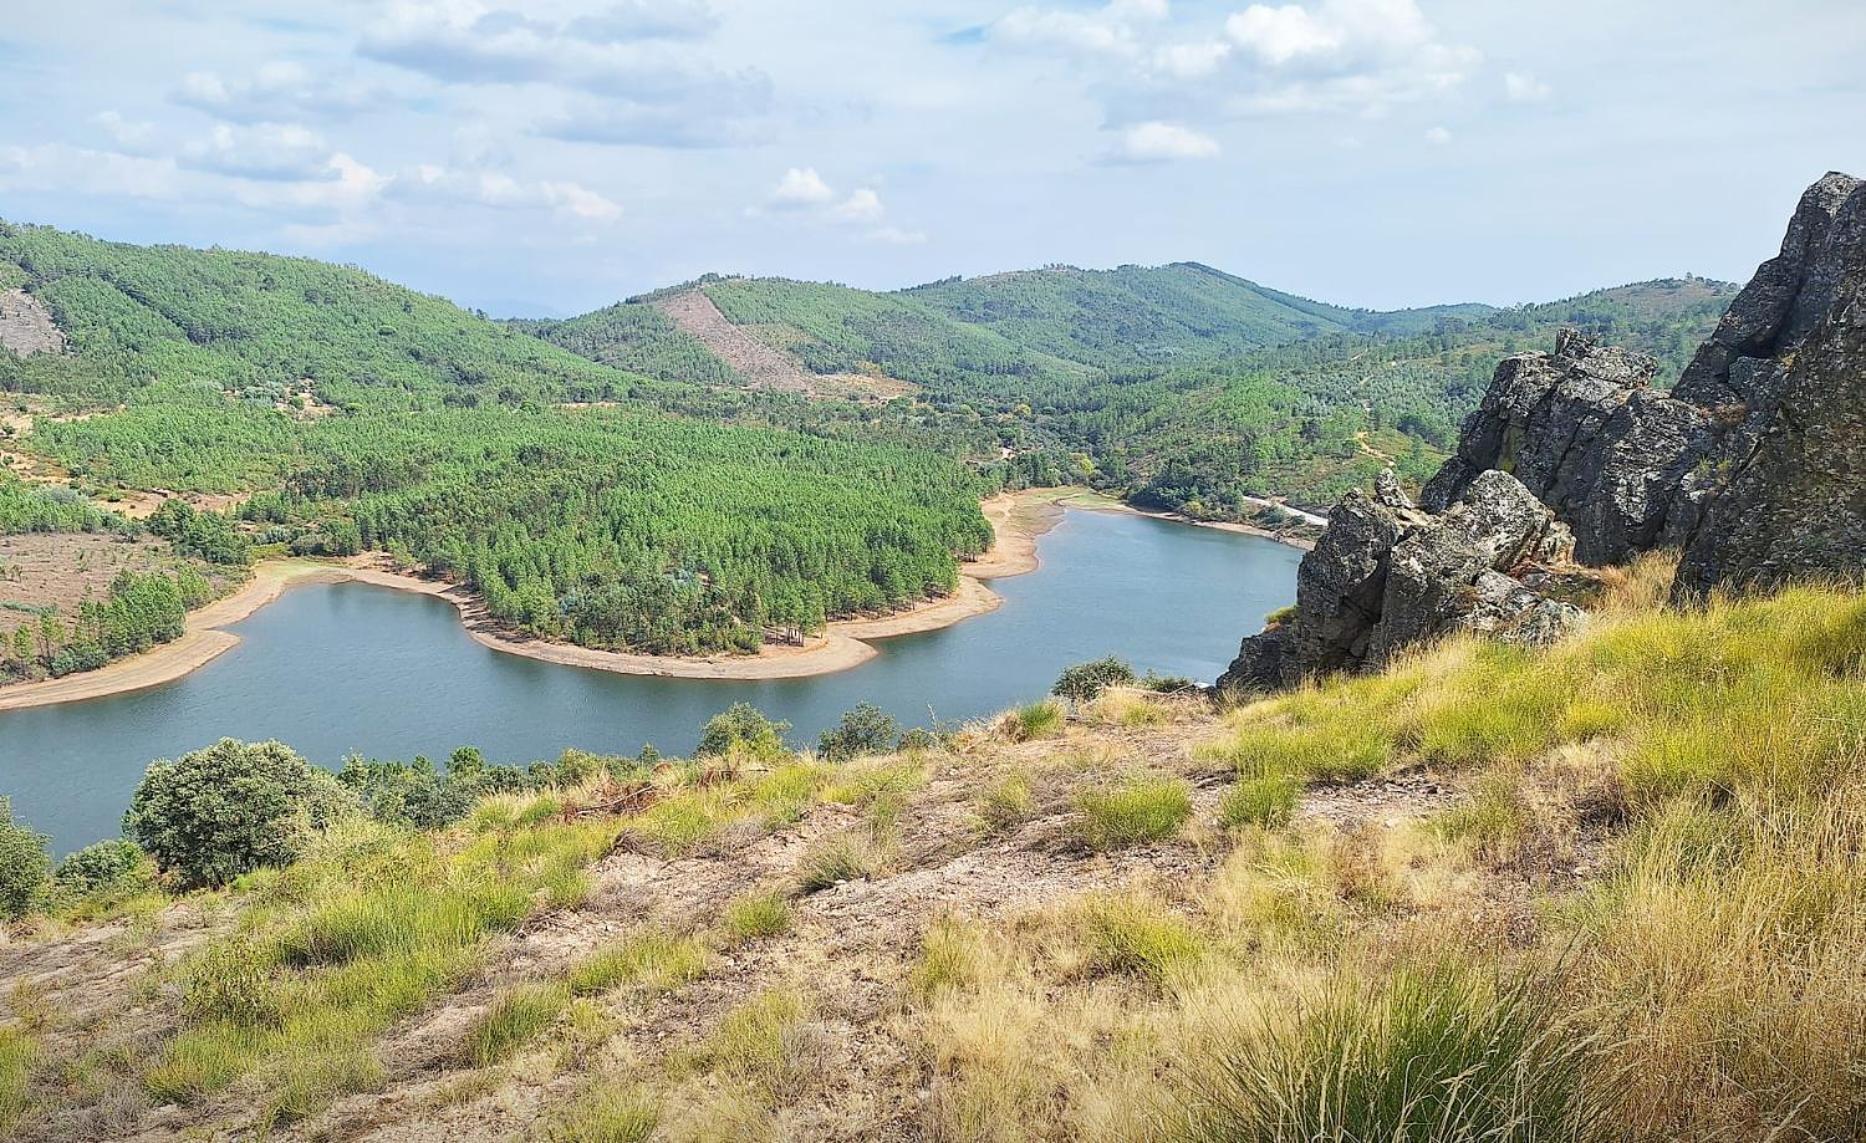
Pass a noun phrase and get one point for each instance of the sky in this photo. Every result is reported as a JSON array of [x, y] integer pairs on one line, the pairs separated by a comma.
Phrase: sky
[[539, 157]]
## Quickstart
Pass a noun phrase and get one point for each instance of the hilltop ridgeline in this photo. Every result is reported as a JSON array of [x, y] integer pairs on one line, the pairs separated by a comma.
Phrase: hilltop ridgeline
[[1754, 465]]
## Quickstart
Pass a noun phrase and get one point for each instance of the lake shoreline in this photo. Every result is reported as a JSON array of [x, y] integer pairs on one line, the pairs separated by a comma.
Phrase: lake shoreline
[[1018, 520]]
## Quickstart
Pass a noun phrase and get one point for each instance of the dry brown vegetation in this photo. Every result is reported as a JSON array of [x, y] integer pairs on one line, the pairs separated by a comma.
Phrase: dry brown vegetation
[[1613, 890]]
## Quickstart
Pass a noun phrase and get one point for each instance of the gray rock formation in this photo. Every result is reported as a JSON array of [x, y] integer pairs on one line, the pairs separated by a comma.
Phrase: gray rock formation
[[1387, 575], [1585, 433], [1791, 357], [1754, 465]]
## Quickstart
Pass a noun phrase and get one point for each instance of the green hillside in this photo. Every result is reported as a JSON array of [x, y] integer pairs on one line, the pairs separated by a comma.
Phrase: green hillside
[[347, 414], [1117, 319], [1179, 386], [168, 323]]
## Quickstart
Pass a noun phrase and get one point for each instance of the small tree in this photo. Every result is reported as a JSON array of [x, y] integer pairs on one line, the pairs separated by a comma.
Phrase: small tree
[[24, 864], [744, 730], [105, 866], [1085, 682], [865, 730], [231, 808]]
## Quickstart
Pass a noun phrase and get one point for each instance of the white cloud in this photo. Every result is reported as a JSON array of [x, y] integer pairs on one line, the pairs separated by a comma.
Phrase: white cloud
[[1111, 30], [268, 151], [643, 85], [1350, 56], [1191, 60], [801, 187], [131, 137], [279, 91], [805, 193], [1163, 142], [1521, 87], [862, 206], [646, 20], [895, 236], [1438, 136], [432, 183], [1279, 35], [62, 169]]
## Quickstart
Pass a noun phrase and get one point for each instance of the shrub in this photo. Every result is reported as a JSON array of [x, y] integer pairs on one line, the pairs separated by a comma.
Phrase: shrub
[[1269, 802], [103, 867], [758, 915], [850, 856], [743, 729], [1140, 812], [1029, 723], [24, 864], [650, 959], [513, 1021], [231, 808], [1435, 1053], [865, 730], [918, 738], [18, 1053], [1086, 681], [607, 1115], [1134, 936]]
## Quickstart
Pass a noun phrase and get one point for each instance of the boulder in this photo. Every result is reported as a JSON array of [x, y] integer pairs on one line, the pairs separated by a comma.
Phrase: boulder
[[1386, 575], [1586, 435], [1794, 503]]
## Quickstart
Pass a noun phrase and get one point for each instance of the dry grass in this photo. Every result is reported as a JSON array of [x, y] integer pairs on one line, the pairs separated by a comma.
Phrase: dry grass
[[1638, 911]]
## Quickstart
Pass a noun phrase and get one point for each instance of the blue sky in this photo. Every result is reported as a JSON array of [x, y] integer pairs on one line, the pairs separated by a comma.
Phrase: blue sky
[[555, 155]]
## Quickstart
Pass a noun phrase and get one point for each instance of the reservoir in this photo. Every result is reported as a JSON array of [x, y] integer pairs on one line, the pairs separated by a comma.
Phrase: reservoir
[[336, 669]]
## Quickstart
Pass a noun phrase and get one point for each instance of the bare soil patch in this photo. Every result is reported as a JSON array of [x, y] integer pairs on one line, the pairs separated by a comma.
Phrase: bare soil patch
[[26, 326], [763, 366]]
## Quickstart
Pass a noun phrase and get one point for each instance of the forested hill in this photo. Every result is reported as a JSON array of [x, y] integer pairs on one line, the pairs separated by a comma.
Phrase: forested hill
[[1180, 386], [202, 324], [338, 413], [1134, 315]]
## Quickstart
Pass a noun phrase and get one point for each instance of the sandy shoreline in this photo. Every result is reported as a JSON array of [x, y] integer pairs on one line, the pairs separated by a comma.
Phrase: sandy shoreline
[[1017, 519]]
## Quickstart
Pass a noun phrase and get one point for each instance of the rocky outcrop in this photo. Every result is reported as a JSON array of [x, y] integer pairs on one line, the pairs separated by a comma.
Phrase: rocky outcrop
[[1387, 575], [1754, 465], [1791, 357], [1588, 436]]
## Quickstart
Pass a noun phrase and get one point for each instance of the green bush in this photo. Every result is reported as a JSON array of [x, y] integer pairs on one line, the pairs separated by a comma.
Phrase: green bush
[[1037, 720], [24, 864], [865, 730], [106, 866], [743, 729], [1085, 682], [231, 808]]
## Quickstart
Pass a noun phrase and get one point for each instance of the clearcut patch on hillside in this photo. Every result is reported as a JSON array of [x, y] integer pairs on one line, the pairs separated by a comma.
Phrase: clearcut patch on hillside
[[26, 326], [763, 366]]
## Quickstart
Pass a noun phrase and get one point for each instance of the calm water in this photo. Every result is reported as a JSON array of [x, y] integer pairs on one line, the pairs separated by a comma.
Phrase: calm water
[[337, 669]]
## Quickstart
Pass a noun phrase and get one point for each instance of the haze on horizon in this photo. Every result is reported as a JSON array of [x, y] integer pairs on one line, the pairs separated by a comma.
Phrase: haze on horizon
[[555, 156]]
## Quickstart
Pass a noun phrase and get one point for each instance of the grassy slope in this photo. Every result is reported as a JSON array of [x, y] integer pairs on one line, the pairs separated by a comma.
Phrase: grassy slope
[[1612, 889]]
